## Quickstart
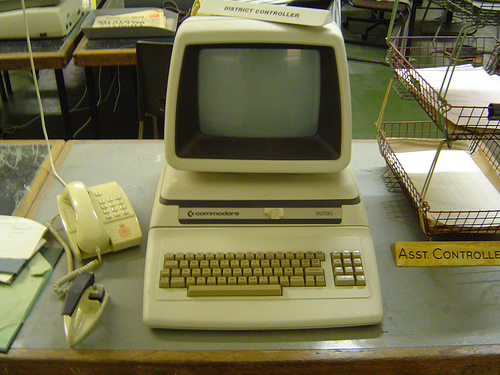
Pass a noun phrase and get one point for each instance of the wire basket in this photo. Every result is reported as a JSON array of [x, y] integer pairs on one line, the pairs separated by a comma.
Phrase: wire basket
[[410, 55], [424, 134], [475, 13]]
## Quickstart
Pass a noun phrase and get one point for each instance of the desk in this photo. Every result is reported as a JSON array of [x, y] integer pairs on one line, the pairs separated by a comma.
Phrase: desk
[[24, 166], [436, 320], [105, 52], [112, 51], [47, 54]]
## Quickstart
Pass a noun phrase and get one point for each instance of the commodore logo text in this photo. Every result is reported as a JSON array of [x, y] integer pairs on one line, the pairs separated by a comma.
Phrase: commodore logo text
[[205, 214]]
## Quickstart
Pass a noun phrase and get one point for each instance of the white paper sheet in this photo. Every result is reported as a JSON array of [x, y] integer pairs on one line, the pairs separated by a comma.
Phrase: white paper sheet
[[457, 183], [20, 237]]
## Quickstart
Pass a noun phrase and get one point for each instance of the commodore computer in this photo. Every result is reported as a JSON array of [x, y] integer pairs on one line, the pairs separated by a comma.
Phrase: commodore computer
[[46, 18], [257, 221]]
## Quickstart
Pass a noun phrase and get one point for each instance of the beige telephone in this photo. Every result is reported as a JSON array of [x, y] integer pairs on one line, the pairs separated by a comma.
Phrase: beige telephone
[[98, 219]]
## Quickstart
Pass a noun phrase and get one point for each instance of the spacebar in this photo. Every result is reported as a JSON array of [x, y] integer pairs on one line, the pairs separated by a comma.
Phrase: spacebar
[[233, 290]]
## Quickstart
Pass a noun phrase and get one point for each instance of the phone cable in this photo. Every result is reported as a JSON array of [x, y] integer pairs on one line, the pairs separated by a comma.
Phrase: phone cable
[[72, 273]]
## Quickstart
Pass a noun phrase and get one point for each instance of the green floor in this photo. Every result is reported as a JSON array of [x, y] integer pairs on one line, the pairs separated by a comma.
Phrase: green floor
[[369, 76], [369, 82]]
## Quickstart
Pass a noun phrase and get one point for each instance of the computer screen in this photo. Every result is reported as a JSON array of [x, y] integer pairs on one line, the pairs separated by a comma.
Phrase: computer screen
[[232, 84], [253, 96]]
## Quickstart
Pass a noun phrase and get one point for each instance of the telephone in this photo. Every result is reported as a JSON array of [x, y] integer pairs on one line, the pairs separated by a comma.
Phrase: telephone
[[98, 219]]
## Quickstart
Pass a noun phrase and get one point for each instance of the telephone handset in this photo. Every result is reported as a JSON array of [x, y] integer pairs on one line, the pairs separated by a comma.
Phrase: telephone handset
[[97, 219]]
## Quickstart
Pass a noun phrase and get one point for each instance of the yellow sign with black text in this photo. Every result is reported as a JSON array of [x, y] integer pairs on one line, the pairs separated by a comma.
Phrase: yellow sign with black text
[[442, 253]]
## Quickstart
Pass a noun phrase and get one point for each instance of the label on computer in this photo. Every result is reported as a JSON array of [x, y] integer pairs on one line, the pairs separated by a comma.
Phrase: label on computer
[[260, 215], [266, 12]]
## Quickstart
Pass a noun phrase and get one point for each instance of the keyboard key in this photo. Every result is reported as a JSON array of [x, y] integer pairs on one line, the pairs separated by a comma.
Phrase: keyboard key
[[177, 282], [320, 281], [298, 272], [360, 280], [273, 280], [284, 281], [234, 290], [297, 281], [170, 264], [320, 255], [310, 281], [348, 271], [345, 280], [313, 271], [164, 282]]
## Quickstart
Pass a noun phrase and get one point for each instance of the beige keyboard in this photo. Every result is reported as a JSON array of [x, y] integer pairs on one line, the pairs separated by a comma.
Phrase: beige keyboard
[[257, 273], [261, 278]]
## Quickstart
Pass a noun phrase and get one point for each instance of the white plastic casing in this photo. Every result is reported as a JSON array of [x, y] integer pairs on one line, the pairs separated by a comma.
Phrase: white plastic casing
[[207, 30]]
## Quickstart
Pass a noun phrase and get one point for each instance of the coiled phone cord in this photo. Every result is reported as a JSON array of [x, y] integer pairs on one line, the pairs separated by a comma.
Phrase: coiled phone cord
[[57, 288]]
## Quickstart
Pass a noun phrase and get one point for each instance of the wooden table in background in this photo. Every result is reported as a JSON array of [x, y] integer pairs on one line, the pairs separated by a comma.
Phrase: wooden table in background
[[47, 54]]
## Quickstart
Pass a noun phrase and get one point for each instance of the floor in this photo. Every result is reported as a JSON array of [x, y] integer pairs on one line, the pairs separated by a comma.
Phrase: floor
[[368, 68]]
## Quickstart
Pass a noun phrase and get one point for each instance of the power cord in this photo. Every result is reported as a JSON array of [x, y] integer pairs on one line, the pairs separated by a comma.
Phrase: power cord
[[38, 96], [72, 273], [99, 101], [12, 128]]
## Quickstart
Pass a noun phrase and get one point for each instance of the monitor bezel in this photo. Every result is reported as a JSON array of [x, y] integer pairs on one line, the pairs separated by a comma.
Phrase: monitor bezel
[[191, 143], [188, 149]]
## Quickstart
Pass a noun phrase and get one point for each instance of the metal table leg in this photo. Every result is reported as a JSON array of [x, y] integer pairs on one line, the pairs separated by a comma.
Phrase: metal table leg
[[63, 102]]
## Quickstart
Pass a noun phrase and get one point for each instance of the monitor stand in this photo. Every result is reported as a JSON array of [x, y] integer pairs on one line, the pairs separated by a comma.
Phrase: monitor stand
[[198, 198], [231, 214]]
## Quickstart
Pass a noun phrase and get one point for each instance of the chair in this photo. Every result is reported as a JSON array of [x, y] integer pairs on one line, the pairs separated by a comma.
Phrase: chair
[[153, 63], [378, 11]]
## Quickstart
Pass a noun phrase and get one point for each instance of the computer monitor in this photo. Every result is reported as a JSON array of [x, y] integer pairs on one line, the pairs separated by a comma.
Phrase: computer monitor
[[250, 96]]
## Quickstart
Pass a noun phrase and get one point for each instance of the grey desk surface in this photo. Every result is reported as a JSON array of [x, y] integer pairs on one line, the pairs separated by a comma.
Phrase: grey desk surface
[[422, 306]]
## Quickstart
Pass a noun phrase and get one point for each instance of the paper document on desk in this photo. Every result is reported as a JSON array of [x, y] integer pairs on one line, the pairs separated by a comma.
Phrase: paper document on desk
[[142, 18], [21, 239], [469, 86], [18, 298], [486, 5], [457, 186], [471, 90], [130, 23]]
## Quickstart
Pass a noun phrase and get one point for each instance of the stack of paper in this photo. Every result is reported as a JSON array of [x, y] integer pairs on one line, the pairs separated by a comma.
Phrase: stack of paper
[[457, 185], [143, 18], [21, 239], [24, 272], [469, 87]]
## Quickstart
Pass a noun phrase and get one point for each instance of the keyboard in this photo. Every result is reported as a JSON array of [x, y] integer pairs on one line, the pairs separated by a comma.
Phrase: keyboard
[[257, 274], [261, 278]]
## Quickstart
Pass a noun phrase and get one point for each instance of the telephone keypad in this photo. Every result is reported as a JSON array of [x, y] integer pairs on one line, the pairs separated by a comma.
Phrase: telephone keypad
[[112, 207]]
